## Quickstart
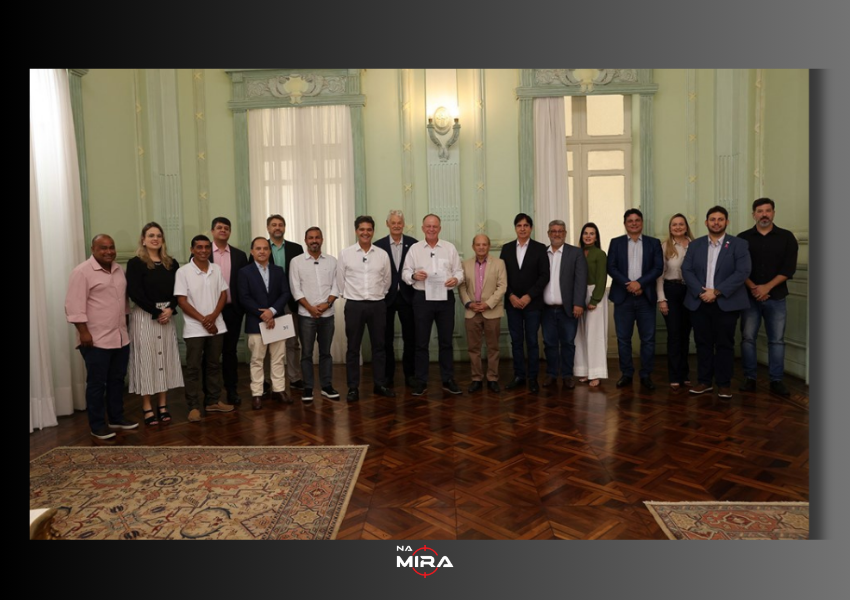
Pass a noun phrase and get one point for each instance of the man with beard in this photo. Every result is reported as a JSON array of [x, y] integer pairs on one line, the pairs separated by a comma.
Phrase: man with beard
[[715, 270], [773, 251]]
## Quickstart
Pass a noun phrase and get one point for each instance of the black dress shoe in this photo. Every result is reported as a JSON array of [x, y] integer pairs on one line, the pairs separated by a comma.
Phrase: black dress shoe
[[570, 383], [257, 402], [353, 395], [475, 387], [749, 385], [533, 387], [624, 381], [234, 398], [297, 385], [515, 383], [647, 383], [382, 390], [550, 381], [493, 386], [777, 387], [451, 387]]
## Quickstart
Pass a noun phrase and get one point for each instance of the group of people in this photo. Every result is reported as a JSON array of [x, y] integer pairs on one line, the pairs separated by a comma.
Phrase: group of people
[[699, 284]]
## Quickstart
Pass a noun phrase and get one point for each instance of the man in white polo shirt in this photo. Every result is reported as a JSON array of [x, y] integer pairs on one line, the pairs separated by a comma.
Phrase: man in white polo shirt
[[202, 293]]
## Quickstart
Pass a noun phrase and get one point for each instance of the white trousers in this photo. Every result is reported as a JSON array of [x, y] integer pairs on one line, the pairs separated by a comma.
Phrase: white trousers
[[591, 359]]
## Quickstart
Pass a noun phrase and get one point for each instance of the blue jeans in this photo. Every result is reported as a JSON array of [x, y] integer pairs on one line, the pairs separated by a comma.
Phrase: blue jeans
[[774, 313], [559, 341], [523, 325], [312, 329], [105, 371], [635, 309]]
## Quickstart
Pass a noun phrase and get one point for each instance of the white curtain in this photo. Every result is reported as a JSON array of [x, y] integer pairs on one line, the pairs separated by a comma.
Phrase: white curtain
[[551, 189], [57, 375], [301, 164]]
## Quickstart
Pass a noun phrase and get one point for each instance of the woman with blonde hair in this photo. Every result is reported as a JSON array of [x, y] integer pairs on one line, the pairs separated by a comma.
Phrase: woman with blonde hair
[[671, 290], [591, 359], [154, 358]]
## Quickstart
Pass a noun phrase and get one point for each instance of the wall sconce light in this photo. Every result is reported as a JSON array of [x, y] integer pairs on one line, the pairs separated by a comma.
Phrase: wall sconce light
[[441, 123]]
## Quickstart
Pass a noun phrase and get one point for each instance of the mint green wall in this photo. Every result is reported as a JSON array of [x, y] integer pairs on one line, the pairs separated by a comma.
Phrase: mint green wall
[[109, 117], [115, 171]]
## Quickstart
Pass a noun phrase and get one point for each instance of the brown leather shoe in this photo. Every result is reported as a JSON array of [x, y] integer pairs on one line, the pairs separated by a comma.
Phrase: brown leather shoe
[[550, 381], [569, 383], [194, 415], [219, 407], [257, 402], [281, 397], [700, 388]]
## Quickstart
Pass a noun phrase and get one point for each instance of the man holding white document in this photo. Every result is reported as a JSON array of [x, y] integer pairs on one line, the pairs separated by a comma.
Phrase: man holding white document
[[263, 294], [433, 268]]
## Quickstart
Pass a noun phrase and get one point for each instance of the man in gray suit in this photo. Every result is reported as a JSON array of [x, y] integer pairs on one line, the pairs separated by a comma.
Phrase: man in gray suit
[[564, 302]]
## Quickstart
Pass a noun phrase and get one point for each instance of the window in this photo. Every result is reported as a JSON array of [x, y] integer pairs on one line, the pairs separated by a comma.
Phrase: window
[[599, 157]]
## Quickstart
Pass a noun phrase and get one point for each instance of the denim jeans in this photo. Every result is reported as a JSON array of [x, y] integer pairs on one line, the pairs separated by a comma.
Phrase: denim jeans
[[635, 309], [774, 313], [523, 326], [559, 341], [105, 371], [321, 329]]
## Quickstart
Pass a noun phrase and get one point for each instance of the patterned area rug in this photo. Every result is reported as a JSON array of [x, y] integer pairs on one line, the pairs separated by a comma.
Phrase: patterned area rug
[[245, 493], [732, 520]]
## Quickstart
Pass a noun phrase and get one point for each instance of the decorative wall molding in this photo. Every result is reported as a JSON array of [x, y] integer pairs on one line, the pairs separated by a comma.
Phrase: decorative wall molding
[[405, 113], [731, 142], [758, 130], [545, 83], [142, 176], [75, 85], [200, 120], [692, 149], [163, 160], [542, 83], [288, 88], [479, 148]]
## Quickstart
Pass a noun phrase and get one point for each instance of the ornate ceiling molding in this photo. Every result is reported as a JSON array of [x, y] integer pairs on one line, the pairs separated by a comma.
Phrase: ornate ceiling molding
[[275, 88], [539, 83]]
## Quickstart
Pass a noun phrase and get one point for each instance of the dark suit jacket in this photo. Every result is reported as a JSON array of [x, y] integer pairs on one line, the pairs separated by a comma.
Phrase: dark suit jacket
[[254, 297], [238, 260], [532, 278], [291, 250], [397, 285], [618, 268], [731, 271], [572, 278]]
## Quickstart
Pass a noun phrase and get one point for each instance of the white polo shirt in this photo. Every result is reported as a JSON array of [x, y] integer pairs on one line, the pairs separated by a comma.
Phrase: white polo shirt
[[202, 290]]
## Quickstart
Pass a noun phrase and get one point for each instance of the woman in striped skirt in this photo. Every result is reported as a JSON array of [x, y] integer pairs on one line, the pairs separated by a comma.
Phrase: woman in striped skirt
[[154, 358]]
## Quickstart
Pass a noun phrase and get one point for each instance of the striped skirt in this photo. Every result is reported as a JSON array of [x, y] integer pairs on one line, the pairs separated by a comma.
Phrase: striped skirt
[[154, 358]]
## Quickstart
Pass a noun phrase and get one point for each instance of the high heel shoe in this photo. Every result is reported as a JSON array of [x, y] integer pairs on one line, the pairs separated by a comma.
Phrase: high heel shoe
[[164, 415], [151, 420]]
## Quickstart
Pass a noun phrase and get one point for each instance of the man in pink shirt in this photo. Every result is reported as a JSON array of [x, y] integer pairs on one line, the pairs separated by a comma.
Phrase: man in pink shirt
[[97, 305]]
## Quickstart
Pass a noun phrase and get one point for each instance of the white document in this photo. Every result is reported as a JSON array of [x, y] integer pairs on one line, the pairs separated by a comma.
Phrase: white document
[[435, 287], [283, 329]]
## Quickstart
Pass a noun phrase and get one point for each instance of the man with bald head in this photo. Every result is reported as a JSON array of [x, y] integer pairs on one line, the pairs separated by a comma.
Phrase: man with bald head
[[98, 306], [482, 292]]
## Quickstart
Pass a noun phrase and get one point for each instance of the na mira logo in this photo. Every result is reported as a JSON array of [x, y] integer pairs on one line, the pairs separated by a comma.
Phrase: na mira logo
[[424, 561]]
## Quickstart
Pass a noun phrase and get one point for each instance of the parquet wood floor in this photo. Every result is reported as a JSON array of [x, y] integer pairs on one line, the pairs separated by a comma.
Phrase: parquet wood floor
[[559, 464]]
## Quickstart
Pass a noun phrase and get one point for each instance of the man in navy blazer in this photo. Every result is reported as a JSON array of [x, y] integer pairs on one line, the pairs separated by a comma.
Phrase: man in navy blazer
[[263, 294], [231, 260], [635, 262], [715, 270], [527, 266], [399, 300]]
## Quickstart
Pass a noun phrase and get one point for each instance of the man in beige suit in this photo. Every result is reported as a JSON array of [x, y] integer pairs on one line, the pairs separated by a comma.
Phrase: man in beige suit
[[483, 293]]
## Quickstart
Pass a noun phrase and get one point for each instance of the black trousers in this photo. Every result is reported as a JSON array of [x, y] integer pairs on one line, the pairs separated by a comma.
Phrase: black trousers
[[714, 333], [441, 312], [404, 310], [360, 314], [233, 320], [678, 320]]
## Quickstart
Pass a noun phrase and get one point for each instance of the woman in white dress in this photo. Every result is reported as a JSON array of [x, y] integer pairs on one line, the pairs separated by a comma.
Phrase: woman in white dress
[[671, 300], [154, 358], [591, 360]]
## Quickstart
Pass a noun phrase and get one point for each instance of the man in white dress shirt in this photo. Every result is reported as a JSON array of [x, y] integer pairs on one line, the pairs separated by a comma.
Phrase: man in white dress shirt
[[312, 280], [363, 278], [438, 261]]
